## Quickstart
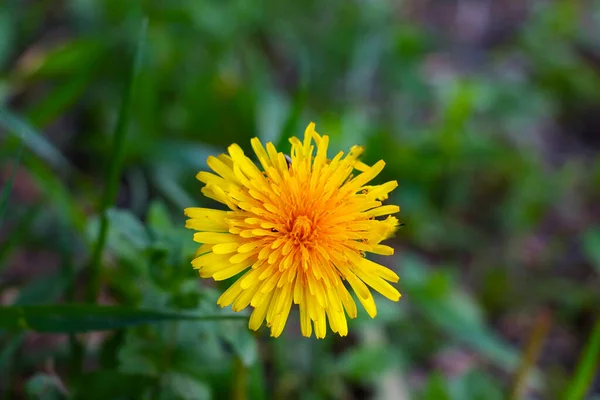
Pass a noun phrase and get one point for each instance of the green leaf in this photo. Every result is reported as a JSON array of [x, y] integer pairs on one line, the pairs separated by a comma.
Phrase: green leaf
[[435, 389], [454, 311], [75, 318], [176, 346], [184, 387], [171, 189], [141, 354], [242, 341], [475, 385], [56, 102], [45, 387], [66, 58], [129, 228], [126, 236], [587, 367], [158, 216], [33, 140], [367, 363]]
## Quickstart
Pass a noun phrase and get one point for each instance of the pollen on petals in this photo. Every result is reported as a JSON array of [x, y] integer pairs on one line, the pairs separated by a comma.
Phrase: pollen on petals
[[297, 229]]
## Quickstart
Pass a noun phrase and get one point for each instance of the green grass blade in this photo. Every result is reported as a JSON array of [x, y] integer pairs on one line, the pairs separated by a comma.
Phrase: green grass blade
[[46, 110], [531, 354], [33, 140], [115, 165], [77, 318], [8, 187], [587, 367]]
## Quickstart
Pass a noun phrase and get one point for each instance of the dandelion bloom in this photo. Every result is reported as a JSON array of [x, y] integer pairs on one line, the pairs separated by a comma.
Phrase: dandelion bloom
[[299, 227]]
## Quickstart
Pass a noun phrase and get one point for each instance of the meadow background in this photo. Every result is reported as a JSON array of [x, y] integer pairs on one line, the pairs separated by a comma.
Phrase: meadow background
[[487, 113]]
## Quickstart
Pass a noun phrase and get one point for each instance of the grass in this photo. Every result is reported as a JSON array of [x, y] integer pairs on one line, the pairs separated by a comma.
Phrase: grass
[[108, 117], [587, 367], [114, 169]]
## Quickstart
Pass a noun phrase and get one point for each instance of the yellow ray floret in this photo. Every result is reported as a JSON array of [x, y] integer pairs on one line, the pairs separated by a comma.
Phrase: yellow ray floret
[[299, 230]]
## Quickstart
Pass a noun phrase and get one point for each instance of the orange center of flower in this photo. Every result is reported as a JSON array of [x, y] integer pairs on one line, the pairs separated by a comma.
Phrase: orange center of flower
[[302, 228]]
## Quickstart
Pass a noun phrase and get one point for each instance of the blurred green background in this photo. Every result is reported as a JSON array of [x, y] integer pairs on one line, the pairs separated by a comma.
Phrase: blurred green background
[[487, 113]]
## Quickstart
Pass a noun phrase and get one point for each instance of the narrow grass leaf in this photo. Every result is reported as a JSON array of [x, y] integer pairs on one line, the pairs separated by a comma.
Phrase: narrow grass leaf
[[586, 368], [115, 165], [33, 140], [531, 354], [78, 318], [48, 109]]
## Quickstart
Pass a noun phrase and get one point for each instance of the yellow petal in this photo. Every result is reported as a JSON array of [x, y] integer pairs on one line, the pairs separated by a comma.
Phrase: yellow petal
[[230, 294], [243, 299], [225, 248], [227, 272], [367, 176], [209, 259], [207, 213], [222, 169], [246, 165], [382, 249], [259, 313], [215, 238], [260, 152], [383, 210]]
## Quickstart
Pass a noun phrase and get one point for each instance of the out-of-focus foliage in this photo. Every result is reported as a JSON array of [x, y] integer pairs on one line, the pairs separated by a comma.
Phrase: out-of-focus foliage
[[486, 112]]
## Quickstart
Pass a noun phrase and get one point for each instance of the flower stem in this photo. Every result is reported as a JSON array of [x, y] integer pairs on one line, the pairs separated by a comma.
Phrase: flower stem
[[240, 375], [532, 352]]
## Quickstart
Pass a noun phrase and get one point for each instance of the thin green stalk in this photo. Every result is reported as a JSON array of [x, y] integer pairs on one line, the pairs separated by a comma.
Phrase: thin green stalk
[[587, 366], [532, 352], [76, 350], [8, 187], [114, 171], [240, 375]]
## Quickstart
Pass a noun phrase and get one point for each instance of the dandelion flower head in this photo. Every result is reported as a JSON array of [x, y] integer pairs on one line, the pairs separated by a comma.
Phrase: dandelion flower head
[[299, 229]]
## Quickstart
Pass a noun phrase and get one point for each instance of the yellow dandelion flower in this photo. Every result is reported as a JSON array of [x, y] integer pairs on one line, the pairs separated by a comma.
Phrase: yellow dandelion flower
[[299, 227]]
